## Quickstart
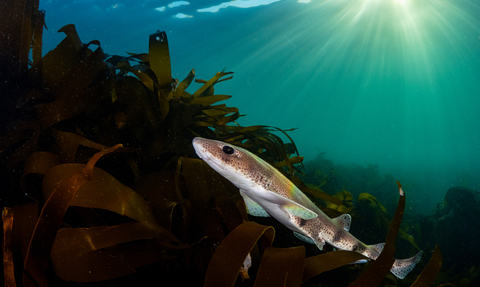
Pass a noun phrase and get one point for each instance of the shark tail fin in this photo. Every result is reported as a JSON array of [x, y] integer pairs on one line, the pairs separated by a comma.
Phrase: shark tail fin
[[402, 267]]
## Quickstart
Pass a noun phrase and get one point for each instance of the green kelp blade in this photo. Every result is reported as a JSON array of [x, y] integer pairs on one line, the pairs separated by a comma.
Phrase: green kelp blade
[[116, 59], [227, 119], [184, 84], [281, 267], [328, 261], [215, 112], [207, 101], [291, 160], [160, 59], [211, 82], [380, 268], [251, 128], [430, 271], [208, 92], [144, 74], [231, 253], [408, 238], [98, 255], [288, 136], [50, 219], [142, 57]]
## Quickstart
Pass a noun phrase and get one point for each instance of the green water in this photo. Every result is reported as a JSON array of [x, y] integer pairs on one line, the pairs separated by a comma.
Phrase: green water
[[384, 82], [388, 82]]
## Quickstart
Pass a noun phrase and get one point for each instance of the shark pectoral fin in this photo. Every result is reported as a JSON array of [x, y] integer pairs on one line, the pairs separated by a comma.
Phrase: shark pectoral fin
[[290, 206], [344, 220], [253, 208], [304, 238], [300, 211]]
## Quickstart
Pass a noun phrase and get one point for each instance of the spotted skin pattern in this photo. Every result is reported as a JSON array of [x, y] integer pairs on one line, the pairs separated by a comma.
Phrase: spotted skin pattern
[[281, 199]]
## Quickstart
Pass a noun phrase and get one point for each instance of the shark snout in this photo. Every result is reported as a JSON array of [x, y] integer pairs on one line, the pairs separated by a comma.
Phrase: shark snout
[[199, 149]]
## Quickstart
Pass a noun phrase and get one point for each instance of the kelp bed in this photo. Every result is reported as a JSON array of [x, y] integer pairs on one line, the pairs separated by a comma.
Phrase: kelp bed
[[104, 188]]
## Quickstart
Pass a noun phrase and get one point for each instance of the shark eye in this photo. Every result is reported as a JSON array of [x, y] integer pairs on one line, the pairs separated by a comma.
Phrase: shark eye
[[228, 149]]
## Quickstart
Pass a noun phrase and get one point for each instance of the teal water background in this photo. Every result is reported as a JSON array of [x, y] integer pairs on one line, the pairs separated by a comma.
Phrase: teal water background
[[388, 82]]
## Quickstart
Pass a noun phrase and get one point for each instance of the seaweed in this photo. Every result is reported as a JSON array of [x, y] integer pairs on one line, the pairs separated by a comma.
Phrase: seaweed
[[105, 185]]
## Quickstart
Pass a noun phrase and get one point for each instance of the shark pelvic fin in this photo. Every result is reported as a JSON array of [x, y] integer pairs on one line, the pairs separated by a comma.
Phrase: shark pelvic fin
[[319, 241], [377, 247], [290, 206], [344, 220], [304, 238], [253, 208]]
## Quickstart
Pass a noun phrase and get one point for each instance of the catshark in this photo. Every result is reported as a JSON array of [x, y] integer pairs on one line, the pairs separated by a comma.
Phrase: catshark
[[267, 192]]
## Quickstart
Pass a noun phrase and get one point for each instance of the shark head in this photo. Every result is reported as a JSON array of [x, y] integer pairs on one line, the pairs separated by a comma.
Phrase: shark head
[[232, 162]]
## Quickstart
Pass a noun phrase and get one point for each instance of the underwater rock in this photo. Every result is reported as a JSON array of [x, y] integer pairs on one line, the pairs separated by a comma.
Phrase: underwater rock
[[463, 200], [457, 230]]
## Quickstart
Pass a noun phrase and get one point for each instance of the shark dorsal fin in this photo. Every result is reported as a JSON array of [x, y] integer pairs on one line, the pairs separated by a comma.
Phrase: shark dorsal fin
[[344, 220]]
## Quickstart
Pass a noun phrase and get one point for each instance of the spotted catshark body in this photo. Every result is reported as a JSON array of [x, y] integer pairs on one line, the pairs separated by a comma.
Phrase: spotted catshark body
[[267, 192]]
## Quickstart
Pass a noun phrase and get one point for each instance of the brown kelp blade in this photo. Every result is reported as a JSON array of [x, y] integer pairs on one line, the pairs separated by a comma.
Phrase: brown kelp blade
[[18, 19], [70, 80], [8, 266], [379, 268], [49, 221], [430, 271], [39, 162], [102, 191], [68, 143], [233, 250], [328, 261], [98, 250], [281, 267]]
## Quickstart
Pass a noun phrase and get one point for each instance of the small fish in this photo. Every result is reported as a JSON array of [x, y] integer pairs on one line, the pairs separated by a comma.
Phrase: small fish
[[267, 192]]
